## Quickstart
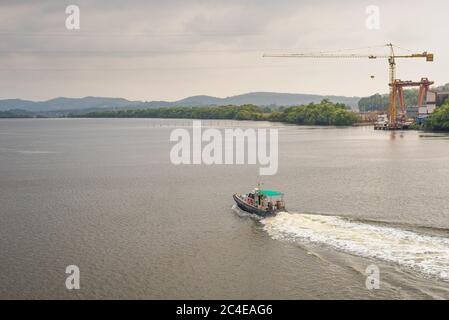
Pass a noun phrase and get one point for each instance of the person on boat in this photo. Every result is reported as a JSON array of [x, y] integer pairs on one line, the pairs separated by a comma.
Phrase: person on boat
[[262, 201], [279, 205]]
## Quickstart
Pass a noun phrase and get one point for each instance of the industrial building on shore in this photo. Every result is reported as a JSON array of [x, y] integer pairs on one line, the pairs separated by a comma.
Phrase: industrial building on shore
[[434, 100]]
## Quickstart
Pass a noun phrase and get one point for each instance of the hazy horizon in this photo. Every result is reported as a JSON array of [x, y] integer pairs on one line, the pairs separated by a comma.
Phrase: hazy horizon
[[200, 95]]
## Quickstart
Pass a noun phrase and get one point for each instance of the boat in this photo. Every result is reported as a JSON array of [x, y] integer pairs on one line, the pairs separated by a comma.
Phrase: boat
[[382, 122], [263, 203]]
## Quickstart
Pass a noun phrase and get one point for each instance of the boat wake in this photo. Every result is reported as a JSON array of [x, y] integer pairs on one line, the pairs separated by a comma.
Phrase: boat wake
[[426, 254]]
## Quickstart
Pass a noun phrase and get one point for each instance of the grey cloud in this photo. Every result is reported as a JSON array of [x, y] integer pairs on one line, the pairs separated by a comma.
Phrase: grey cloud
[[179, 48]]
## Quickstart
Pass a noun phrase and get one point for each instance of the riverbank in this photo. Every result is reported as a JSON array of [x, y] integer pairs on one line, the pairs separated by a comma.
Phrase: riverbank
[[324, 113]]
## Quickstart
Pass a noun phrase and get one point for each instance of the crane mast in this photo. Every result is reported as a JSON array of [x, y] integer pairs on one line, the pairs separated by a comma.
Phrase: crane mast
[[391, 57], [393, 110]]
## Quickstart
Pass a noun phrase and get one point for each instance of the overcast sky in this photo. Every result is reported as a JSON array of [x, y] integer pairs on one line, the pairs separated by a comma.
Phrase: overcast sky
[[167, 50]]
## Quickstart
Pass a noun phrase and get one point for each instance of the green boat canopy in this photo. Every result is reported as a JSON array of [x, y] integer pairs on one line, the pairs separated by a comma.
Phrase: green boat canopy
[[271, 193]]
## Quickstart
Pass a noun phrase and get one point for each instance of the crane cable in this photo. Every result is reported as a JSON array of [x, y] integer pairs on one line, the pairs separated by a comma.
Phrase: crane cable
[[359, 48]]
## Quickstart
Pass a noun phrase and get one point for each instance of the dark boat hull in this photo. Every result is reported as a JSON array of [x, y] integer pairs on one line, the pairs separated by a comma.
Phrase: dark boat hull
[[251, 209]]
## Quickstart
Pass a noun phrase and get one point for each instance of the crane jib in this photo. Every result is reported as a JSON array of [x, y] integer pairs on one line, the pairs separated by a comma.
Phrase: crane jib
[[395, 84]]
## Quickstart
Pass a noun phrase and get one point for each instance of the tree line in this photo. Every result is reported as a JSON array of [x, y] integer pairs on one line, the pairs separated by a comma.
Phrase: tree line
[[380, 102], [323, 113], [439, 119]]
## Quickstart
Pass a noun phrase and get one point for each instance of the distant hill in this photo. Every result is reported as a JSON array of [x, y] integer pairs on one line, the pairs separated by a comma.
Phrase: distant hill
[[59, 104], [256, 98], [442, 88], [199, 101], [14, 104], [285, 99]]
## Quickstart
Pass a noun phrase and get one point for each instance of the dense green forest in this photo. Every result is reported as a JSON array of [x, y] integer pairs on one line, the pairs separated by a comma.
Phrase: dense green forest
[[17, 113], [323, 113], [439, 119], [380, 102]]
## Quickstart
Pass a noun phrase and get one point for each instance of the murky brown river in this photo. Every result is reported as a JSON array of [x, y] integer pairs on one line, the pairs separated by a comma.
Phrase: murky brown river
[[103, 195]]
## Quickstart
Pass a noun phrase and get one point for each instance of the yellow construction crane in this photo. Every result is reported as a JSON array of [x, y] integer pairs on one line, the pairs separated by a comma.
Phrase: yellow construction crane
[[391, 61]]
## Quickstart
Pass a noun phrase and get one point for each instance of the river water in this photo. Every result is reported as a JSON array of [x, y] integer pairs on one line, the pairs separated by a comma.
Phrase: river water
[[102, 194]]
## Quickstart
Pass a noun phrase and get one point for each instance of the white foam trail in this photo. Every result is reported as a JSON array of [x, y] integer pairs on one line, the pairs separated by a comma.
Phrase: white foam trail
[[426, 254]]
